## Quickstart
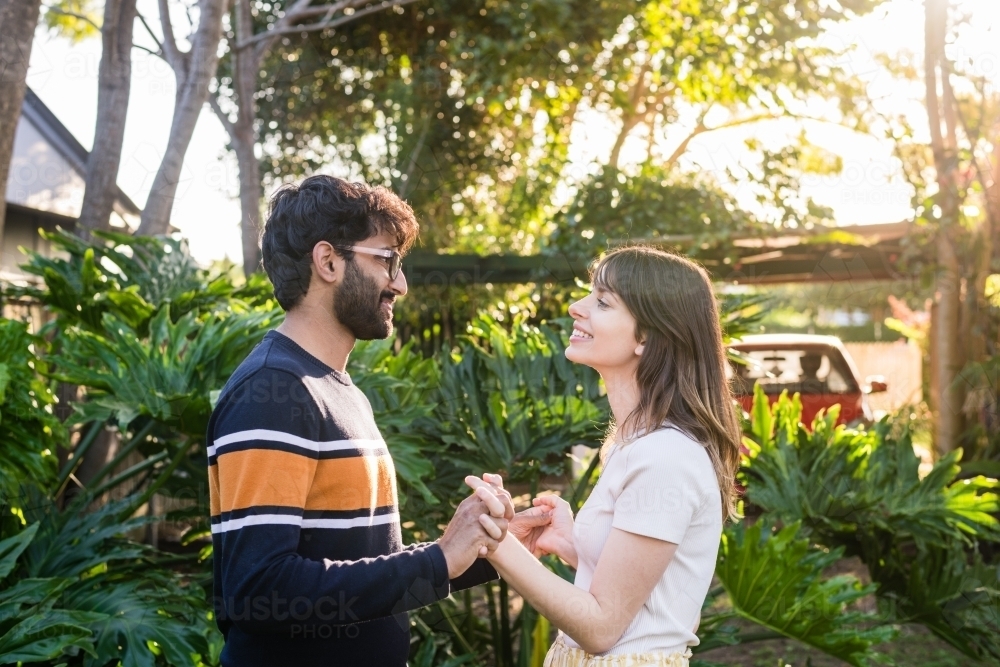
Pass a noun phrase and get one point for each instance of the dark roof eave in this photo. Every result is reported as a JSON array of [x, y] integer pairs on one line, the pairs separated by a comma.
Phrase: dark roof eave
[[68, 146]]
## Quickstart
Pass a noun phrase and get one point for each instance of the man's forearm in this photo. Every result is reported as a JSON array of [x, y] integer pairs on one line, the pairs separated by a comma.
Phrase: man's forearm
[[298, 590], [479, 572]]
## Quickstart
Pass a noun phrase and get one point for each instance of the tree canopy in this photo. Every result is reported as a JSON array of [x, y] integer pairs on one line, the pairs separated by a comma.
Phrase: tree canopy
[[475, 112]]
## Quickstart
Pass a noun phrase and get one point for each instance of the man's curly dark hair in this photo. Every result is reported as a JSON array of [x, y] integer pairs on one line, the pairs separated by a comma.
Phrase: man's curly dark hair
[[324, 208]]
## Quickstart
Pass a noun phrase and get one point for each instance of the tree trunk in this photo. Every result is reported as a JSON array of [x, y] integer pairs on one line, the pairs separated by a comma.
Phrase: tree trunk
[[251, 194], [949, 358], [194, 71], [115, 79], [246, 65], [947, 339], [18, 19]]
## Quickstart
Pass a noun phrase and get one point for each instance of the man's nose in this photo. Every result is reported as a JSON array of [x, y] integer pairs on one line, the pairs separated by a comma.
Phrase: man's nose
[[399, 284]]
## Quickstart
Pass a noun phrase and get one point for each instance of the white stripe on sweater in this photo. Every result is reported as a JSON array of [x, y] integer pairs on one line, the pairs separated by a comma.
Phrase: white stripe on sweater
[[294, 440], [291, 520]]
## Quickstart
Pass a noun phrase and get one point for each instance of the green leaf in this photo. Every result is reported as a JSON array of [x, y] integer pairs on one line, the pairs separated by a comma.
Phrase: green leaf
[[862, 492], [138, 611], [4, 382], [761, 415], [775, 579], [12, 547], [29, 592], [46, 636]]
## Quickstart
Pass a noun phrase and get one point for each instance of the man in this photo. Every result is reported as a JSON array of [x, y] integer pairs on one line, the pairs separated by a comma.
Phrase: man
[[809, 381], [309, 563]]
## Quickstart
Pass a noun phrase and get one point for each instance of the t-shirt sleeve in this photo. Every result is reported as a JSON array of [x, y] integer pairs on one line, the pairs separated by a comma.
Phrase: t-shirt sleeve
[[662, 489]]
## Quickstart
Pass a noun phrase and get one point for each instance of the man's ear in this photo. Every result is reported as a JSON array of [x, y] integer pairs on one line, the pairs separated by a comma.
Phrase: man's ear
[[325, 261]]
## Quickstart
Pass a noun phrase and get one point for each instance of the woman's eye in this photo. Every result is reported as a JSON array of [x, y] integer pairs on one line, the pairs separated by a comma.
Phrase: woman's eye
[[601, 303]]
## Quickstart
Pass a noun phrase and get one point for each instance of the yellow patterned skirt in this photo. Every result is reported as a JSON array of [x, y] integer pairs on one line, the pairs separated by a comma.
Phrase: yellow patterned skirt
[[561, 655]]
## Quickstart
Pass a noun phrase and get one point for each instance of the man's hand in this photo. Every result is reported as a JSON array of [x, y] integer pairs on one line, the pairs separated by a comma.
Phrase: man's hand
[[479, 524], [492, 485]]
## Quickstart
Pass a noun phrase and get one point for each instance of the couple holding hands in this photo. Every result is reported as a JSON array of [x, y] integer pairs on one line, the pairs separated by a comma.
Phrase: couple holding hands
[[309, 564]]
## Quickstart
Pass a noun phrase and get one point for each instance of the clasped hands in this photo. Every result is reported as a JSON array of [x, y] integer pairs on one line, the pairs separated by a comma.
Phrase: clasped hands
[[483, 520]]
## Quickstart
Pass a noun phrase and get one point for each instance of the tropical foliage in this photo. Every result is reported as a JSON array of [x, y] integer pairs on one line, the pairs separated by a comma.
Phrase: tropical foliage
[[26, 411], [862, 492]]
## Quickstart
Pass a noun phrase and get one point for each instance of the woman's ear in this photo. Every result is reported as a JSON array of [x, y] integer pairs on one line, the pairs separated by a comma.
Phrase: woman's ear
[[639, 348]]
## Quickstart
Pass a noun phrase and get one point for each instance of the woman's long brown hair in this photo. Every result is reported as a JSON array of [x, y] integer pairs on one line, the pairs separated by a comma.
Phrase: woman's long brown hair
[[681, 374]]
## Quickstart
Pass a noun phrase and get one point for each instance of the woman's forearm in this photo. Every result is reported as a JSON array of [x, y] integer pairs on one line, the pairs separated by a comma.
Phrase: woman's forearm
[[571, 609], [568, 555]]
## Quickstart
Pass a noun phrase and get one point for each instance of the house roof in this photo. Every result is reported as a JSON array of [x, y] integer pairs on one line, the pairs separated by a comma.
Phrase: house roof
[[63, 141]]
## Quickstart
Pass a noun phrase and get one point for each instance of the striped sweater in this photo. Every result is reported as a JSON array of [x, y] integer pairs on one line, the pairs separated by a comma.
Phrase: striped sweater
[[309, 563]]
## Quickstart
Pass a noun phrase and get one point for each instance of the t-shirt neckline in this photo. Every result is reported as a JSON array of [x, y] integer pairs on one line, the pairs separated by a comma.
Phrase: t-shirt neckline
[[282, 339]]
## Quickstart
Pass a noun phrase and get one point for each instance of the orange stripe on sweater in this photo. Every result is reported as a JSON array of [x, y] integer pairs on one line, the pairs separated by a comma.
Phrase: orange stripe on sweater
[[269, 477]]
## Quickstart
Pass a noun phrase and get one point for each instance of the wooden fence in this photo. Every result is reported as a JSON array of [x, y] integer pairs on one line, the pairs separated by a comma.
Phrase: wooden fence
[[900, 362]]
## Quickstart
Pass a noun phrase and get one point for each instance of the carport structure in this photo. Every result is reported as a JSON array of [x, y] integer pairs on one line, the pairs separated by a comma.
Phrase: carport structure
[[855, 253]]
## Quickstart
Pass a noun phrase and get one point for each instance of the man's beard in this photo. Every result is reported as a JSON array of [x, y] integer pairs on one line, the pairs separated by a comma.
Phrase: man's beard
[[357, 305]]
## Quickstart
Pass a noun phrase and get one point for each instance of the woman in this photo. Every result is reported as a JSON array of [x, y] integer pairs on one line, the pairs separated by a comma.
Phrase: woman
[[644, 544]]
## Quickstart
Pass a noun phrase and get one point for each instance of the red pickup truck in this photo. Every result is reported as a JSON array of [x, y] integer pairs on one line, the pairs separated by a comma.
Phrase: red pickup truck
[[819, 368]]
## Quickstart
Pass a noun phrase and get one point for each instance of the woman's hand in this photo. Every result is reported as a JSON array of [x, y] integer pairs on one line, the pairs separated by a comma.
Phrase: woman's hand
[[528, 526], [557, 537]]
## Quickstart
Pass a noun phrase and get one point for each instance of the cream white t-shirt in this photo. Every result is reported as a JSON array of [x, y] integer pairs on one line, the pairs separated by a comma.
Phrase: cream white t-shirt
[[661, 485]]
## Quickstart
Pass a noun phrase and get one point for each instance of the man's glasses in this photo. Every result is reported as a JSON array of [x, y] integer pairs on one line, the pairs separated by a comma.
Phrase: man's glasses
[[395, 259]]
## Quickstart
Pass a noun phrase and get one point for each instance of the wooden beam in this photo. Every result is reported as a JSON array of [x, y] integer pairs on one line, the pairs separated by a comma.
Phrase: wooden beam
[[799, 264]]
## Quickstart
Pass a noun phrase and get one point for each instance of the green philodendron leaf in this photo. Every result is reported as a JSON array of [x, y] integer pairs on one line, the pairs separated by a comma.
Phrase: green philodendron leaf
[[4, 381], [47, 636], [509, 399], [412, 465], [163, 375], [775, 579], [29, 431], [73, 541], [762, 424], [138, 611], [12, 547], [29, 592], [862, 491]]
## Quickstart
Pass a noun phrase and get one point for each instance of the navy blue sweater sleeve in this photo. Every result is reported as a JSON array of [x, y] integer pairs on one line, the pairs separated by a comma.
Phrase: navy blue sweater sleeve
[[479, 572]]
